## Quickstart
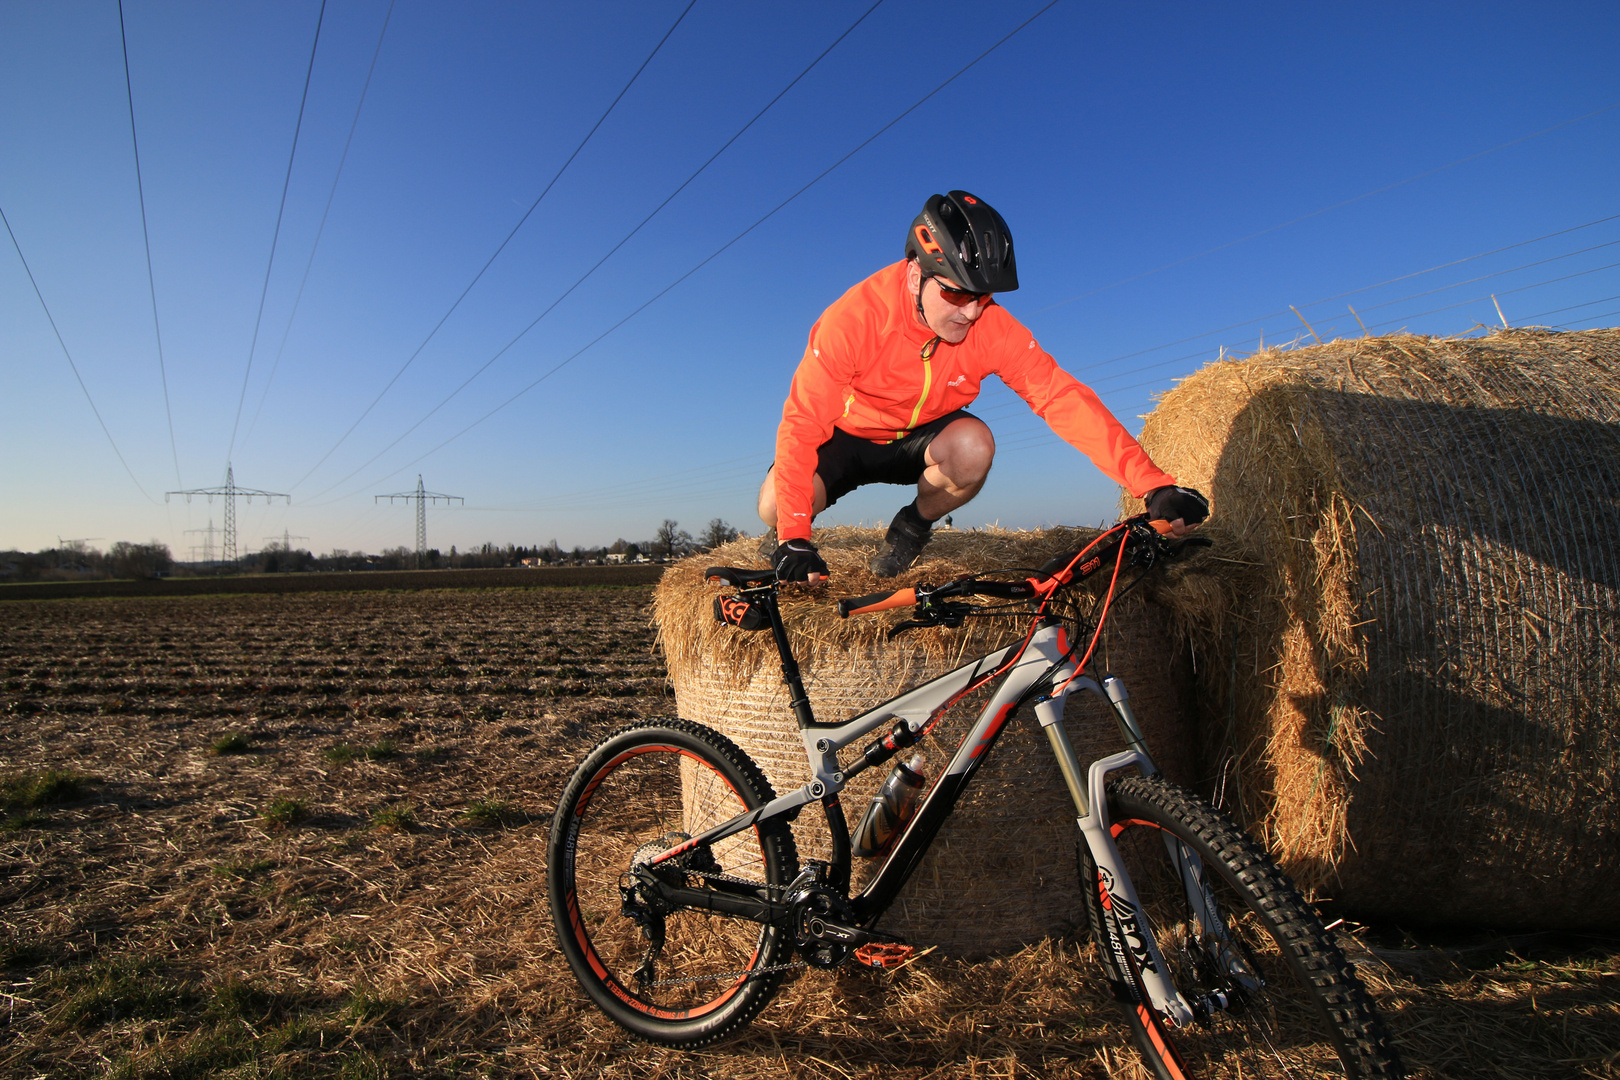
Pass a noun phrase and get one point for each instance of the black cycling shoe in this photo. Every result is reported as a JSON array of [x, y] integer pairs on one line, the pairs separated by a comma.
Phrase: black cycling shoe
[[908, 534]]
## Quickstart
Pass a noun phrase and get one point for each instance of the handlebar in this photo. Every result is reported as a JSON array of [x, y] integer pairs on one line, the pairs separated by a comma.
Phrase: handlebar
[[1057, 572]]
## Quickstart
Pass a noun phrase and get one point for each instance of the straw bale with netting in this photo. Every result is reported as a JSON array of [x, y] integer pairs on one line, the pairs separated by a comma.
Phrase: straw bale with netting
[[1415, 698], [1002, 871]]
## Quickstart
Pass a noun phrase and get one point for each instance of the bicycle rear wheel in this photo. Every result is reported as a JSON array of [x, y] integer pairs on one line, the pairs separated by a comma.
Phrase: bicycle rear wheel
[[682, 977], [1273, 994]]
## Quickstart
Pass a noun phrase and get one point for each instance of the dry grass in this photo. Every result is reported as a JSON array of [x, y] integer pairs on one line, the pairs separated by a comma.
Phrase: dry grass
[[155, 926]]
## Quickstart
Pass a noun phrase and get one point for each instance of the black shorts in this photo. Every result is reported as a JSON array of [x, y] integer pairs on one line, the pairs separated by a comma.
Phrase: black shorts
[[845, 462]]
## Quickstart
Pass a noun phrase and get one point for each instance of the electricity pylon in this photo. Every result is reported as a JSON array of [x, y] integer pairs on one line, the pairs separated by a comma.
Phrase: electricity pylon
[[421, 498], [76, 545], [208, 541], [231, 493], [286, 539]]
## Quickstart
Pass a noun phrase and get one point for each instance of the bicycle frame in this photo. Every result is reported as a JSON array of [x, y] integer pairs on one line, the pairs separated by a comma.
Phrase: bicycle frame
[[1040, 670]]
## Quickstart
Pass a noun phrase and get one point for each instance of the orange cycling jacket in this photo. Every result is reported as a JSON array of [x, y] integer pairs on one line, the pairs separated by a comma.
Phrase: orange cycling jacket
[[864, 372]]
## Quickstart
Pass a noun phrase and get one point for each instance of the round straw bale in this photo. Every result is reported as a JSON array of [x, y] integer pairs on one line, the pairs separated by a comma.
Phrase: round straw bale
[[1001, 873], [1413, 694]]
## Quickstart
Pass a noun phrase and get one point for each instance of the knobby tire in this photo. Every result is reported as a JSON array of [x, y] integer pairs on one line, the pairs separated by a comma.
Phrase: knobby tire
[[647, 787], [1306, 1015]]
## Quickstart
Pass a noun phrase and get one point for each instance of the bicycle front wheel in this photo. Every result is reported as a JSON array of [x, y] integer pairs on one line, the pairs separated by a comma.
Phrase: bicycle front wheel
[[681, 977], [1273, 995]]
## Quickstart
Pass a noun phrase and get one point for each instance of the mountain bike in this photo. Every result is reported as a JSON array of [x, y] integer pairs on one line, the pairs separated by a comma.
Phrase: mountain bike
[[680, 902]]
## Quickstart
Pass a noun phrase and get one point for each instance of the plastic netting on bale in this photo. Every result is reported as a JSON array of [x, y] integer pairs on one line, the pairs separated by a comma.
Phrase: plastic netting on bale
[[1002, 871], [1413, 690]]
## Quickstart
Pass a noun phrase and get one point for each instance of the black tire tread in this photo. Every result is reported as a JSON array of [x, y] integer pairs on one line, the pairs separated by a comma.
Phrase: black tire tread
[[773, 831], [1364, 1037]]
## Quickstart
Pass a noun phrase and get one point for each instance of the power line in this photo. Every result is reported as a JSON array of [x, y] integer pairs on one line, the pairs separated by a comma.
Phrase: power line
[[1326, 209], [1572, 307], [49, 318], [146, 237], [1487, 277], [1314, 303], [610, 253], [1595, 318], [1352, 292], [1476, 300], [714, 255], [502, 247], [321, 229], [1487, 296], [275, 237]]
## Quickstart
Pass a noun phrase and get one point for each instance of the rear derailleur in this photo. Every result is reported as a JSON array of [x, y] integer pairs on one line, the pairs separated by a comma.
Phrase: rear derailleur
[[642, 902]]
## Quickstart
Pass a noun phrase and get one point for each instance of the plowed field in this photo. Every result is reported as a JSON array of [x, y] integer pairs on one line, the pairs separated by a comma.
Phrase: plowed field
[[303, 835]]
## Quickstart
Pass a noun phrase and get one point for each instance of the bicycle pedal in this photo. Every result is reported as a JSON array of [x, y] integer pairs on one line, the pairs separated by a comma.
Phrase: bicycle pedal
[[883, 955]]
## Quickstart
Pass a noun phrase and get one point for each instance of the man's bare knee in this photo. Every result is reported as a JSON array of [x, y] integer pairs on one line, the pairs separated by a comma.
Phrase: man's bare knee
[[964, 452], [767, 499]]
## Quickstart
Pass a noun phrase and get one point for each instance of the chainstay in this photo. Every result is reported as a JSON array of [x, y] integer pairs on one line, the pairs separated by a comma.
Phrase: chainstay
[[744, 973]]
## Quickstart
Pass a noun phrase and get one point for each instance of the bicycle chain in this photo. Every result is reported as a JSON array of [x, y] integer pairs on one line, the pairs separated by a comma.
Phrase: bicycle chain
[[753, 973], [716, 875]]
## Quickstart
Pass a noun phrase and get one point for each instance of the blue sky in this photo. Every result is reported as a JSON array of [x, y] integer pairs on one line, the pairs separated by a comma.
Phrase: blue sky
[[1175, 176]]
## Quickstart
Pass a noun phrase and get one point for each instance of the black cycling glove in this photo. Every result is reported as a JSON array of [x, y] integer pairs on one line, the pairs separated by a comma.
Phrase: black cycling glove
[[796, 560], [1170, 503]]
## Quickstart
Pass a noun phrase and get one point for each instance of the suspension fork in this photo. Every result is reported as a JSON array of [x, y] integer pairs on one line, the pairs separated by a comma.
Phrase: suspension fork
[[1200, 902], [1136, 953]]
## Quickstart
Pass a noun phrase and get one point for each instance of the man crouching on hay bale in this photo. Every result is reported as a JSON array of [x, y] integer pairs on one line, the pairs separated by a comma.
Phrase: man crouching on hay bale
[[881, 392]]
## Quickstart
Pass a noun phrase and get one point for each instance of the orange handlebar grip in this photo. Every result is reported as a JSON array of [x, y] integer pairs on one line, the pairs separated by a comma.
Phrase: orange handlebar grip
[[1161, 526], [865, 605]]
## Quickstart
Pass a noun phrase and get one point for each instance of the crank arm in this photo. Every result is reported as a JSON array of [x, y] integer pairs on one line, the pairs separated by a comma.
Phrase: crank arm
[[822, 928]]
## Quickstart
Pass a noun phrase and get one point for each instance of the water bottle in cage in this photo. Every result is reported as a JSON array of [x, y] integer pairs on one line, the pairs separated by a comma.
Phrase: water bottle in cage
[[891, 808]]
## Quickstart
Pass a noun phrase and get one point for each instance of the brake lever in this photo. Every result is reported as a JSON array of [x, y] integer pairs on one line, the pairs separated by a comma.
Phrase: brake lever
[[1159, 546], [931, 614]]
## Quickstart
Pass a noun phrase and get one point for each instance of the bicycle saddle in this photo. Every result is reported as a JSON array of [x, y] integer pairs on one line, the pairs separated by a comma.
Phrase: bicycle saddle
[[742, 577]]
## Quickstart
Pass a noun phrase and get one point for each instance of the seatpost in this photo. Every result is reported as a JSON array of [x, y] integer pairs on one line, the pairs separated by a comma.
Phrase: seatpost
[[790, 666]]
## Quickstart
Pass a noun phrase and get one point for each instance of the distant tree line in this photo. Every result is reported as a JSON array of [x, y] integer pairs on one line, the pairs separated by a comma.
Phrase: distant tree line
[[153, 559], [77, 561]]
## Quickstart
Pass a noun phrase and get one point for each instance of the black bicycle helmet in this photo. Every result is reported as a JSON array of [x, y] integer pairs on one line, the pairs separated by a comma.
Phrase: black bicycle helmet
[[961, 236]]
